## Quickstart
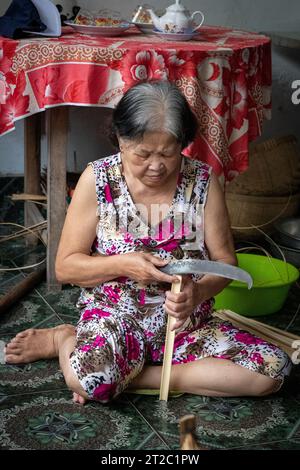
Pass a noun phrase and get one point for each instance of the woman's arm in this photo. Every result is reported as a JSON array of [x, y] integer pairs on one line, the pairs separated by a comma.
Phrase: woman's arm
[[218, 239], [74, 264], [219, 242]]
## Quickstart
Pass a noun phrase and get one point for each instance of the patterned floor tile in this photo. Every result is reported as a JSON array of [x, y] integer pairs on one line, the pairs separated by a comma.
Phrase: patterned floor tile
[[36, 410], [291, 443], [5, 274], [30, 257], [153, 442], [9, 279], [36, 377], [11, 210], [292, 386], [33, 377], [53, 421], [26, 313], [15, 247], [28, 378], [63, 303], [224, 422]]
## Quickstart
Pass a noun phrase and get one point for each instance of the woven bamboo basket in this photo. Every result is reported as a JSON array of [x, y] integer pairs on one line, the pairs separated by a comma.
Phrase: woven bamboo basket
[[274, 169], [246, 211]]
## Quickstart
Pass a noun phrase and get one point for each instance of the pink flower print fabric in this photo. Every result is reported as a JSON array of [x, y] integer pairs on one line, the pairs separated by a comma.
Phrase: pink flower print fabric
[[122, 323]]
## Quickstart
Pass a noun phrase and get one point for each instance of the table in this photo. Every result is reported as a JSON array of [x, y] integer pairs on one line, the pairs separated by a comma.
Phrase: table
[[225, 75], [290, 39]]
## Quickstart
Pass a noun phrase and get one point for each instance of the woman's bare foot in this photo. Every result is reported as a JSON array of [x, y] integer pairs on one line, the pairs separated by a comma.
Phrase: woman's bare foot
[[32, 345], [79, 399]]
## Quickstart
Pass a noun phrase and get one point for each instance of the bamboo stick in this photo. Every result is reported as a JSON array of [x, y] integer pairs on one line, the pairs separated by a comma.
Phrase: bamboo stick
[[255, 332], [27, 196], [25, 231], [169, 346], [275, 330], [275, 333], [286, 333], [264, 333]]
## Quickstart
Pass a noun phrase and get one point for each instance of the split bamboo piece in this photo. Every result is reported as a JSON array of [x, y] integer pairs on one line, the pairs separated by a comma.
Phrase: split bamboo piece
[[281, 335], [33, 228], [273, 335], [26, 197], [169, 346]]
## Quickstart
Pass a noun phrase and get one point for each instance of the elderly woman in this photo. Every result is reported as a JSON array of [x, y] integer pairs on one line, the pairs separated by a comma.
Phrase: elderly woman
[[148, 205]]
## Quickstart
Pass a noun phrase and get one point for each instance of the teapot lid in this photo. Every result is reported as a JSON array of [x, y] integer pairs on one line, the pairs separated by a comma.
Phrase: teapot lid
[[176, 7]]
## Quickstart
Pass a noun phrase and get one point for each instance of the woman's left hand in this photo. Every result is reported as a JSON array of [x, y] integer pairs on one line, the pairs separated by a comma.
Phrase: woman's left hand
[[181, 305]]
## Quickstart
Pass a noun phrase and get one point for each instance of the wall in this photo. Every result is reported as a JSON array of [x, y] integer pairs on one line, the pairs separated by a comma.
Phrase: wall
[[85, 142]]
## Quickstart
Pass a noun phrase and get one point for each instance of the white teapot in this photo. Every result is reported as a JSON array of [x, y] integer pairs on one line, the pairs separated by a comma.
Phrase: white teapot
[[176, 20]]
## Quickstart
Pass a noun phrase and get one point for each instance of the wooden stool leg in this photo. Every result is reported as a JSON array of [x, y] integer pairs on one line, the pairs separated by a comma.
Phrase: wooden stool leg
[[57, 138], [187, 427], [32, 167]]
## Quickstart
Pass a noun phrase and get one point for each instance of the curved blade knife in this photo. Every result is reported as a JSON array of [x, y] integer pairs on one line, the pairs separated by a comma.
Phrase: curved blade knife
[[189, 266]]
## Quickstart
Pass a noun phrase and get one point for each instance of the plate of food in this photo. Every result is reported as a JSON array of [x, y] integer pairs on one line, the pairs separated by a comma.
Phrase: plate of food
[[102, 23], [107, 30]]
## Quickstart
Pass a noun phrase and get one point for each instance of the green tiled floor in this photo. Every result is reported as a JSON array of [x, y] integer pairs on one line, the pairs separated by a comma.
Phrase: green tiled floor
[[49, 420], [37, 412]]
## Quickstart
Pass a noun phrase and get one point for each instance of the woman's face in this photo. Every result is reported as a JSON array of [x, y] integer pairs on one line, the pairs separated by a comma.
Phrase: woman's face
[[153, 159]]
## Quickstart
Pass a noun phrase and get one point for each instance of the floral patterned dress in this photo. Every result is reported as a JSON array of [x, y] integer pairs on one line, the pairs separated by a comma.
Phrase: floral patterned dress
[[123, 323]]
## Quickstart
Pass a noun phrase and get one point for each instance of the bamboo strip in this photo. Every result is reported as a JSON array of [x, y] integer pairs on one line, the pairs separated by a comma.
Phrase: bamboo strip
[[278, 334], [169, 346], [275, 331], [284, 333], [252, 331], [265, 334], [26, 197], [21, 233]]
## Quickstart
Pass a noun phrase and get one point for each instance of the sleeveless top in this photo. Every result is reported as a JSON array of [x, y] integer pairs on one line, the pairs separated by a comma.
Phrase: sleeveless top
[[120, 230]]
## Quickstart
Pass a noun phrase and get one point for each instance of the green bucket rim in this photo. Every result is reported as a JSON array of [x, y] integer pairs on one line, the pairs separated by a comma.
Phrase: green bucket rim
[[293, 273]]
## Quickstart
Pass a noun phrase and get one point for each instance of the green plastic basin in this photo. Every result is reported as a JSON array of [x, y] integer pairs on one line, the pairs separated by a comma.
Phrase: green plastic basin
[[272, 279]]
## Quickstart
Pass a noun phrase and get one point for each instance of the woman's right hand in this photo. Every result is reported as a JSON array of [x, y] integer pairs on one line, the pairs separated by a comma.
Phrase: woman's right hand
[[144, 268]]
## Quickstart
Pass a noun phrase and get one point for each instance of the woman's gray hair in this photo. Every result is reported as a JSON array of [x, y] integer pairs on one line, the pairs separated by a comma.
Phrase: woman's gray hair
[[154, 107]]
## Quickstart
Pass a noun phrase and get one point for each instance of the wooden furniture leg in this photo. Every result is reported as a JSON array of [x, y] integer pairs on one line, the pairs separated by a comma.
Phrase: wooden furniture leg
[[32, 166], [187, 427], [57, 133]]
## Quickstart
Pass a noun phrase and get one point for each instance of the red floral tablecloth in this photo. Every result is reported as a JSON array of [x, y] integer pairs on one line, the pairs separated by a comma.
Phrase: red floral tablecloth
[[225, 75]]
